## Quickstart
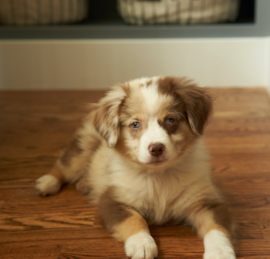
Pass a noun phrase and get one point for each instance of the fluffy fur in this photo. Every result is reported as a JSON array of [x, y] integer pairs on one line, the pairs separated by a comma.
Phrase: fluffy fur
[[141, 154]]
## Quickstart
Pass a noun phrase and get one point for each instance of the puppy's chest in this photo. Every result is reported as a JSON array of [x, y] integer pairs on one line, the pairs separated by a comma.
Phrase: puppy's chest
[[154, 197]]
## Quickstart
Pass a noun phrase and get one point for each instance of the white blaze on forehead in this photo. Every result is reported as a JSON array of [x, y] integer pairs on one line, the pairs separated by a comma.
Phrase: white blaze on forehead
[[152, 98]]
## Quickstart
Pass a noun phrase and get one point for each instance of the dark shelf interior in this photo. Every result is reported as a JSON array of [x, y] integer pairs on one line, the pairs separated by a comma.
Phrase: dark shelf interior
[[104, 22], [104, 12]]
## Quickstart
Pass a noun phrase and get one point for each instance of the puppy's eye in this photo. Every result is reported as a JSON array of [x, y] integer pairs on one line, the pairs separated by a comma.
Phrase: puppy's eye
[[170, 121], [135, 125]]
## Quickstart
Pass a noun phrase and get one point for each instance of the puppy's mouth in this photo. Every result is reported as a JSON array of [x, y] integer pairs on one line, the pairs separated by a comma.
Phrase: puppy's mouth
[[157, 161]]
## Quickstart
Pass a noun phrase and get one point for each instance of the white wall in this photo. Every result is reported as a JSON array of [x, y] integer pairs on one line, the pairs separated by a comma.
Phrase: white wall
[[96, 64], [268, 67]]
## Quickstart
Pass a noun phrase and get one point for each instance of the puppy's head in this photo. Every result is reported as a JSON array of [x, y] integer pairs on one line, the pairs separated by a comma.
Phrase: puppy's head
[[153, 121]]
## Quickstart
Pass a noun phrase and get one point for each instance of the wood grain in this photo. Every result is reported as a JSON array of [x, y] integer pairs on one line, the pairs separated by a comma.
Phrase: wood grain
[[35, 252], [35, 126], [265, 230]]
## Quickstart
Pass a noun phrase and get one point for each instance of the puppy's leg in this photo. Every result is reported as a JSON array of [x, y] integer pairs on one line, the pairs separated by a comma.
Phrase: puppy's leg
[[71, 166], [128, 226], [51, 183], [213, 224]]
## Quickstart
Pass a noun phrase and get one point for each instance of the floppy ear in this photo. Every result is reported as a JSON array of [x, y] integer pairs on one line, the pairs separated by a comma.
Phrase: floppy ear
[[105, 114], [198, 104]]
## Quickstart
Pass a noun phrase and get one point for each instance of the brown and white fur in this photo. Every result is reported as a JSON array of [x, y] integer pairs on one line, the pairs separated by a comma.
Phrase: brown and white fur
[[141, 153]]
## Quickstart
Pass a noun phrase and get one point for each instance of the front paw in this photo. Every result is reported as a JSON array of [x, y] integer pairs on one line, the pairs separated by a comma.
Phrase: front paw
[[218, 246], [141, 246], [47, 185], [219, 254]]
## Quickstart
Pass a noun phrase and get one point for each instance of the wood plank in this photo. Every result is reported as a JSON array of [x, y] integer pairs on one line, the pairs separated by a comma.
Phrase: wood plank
[[168, 248], [27, 141], [97, 248], [265, 229], [249, 201], [47, 220], [245, 187], [244, 165], [16, 192], [242, 139], [25, 252], [246, 248], [26, 174], [14, 183], [1, 203], [238, 127], [59, 236], [46, 205], [255, 215], [248, 230], [238, 149]]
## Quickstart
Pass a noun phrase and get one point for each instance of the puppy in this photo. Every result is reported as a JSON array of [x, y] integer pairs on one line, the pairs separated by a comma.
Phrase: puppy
[[141, 150]]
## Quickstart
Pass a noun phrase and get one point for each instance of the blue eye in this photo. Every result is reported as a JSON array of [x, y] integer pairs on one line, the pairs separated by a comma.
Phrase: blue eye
[[170, 121], [135, 125]]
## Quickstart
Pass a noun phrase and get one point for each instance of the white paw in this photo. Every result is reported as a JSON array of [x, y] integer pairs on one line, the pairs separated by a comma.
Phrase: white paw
[[217, 246], [219, 254], [47, 185], [141, 246]]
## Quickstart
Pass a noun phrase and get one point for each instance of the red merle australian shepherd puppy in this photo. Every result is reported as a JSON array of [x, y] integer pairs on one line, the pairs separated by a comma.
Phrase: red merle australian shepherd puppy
[[140, 152]]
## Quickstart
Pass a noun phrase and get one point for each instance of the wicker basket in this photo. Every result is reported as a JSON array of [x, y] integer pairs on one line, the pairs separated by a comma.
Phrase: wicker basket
[[32, 12], [178, 11]]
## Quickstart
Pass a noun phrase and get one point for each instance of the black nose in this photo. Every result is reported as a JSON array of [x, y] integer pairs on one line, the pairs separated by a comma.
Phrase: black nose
[[156, 149]]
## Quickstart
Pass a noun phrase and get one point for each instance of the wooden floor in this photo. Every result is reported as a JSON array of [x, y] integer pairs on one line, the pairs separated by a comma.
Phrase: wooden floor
[[34, 126]]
